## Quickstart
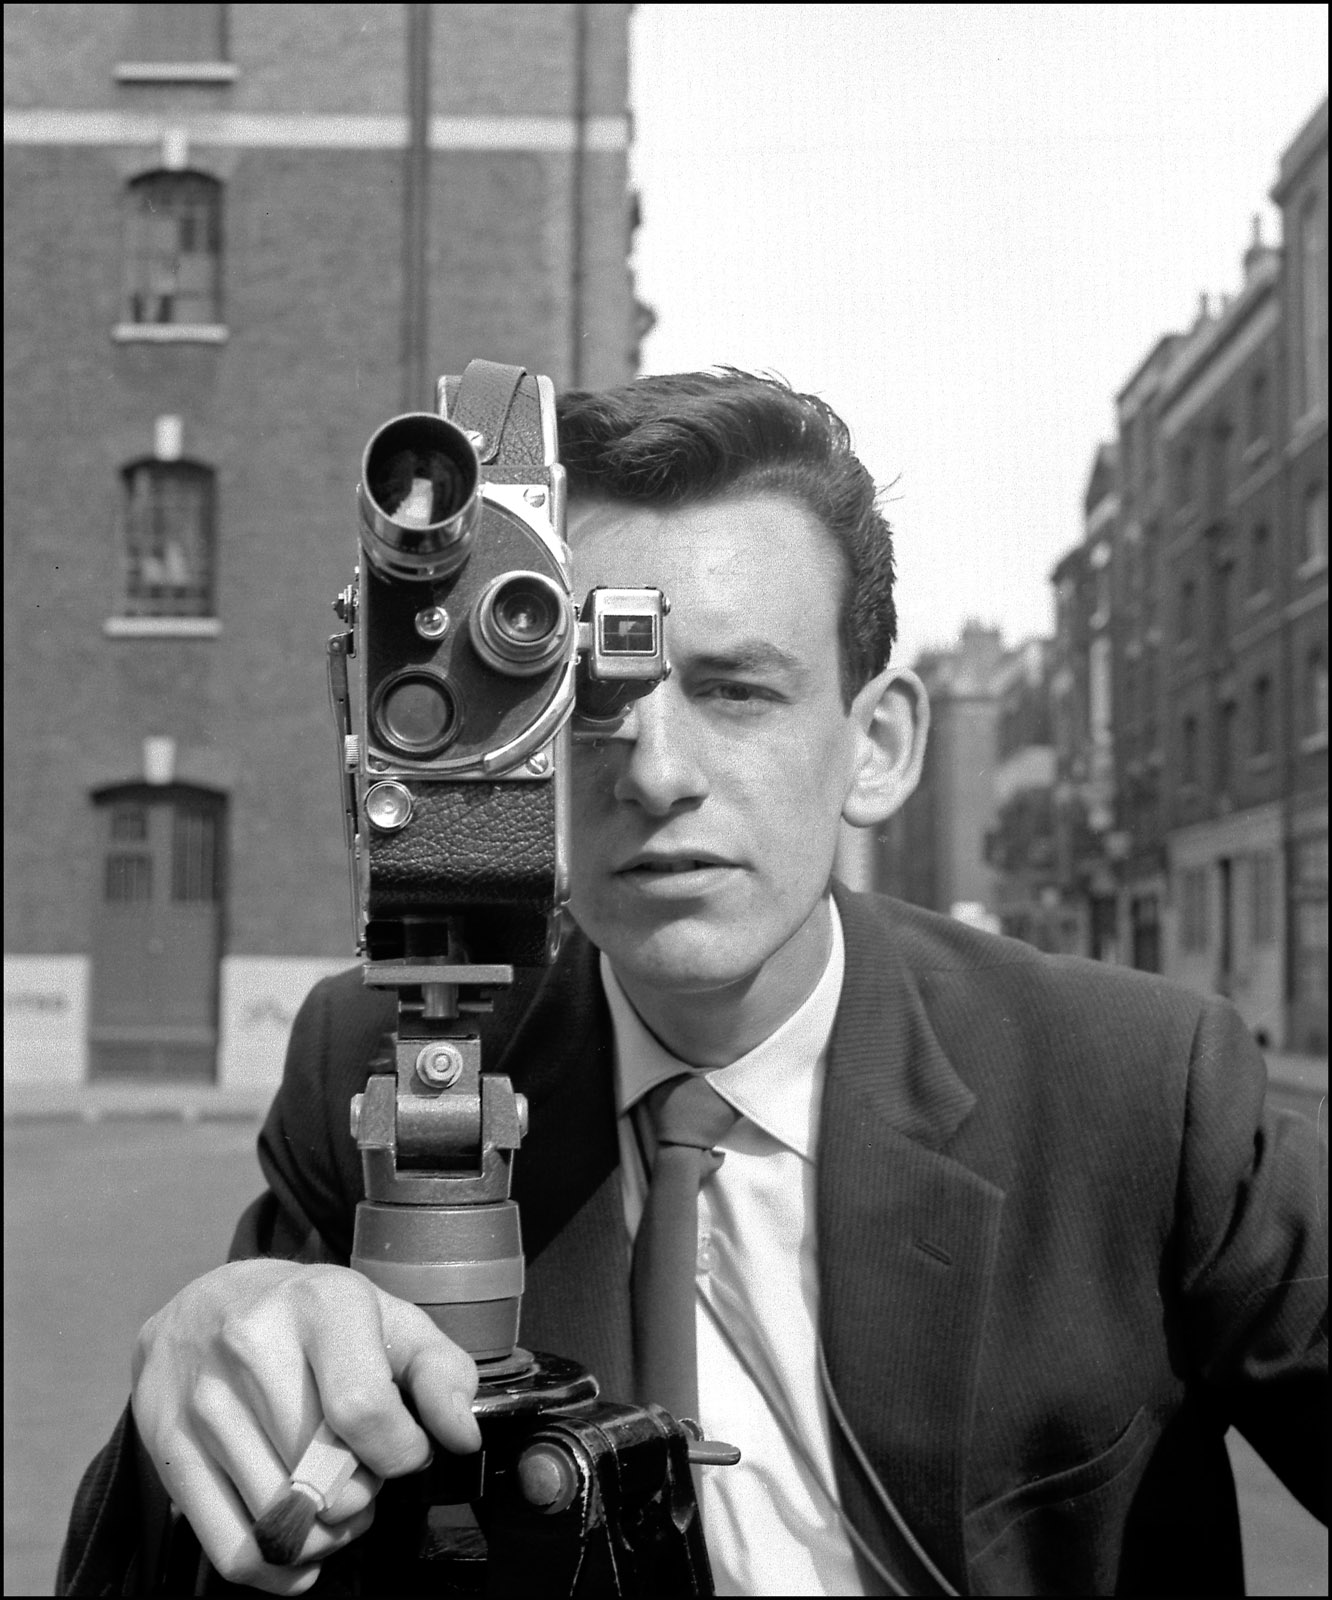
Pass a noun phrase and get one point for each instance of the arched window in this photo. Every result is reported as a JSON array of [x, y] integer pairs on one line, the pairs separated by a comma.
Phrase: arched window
[[169, 522], [173, 249]]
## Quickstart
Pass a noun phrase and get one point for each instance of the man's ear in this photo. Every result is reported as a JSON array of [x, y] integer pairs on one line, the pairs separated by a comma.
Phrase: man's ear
[[892, 718]]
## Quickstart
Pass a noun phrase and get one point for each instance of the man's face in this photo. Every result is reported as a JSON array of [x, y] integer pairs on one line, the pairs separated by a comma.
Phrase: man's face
[[704, 831]]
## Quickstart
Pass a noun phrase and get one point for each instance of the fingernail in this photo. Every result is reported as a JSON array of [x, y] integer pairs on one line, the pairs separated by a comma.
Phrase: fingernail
[[466, 1421]]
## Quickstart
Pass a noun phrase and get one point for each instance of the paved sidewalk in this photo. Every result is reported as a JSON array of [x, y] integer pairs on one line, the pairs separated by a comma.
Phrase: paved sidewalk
[[115, 1102]]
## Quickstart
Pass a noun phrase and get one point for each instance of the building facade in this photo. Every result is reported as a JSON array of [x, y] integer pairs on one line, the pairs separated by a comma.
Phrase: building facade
[[1021, 845], [1083, 702], [1302, 194], [239, 238], [1191, 702], [1224, 679], [933, 852]]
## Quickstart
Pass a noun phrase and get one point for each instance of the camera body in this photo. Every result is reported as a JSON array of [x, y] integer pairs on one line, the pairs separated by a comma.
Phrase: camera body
[[471, 660]]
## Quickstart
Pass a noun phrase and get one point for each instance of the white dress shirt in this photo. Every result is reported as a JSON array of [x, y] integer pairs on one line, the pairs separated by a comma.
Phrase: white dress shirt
[[772, 1523]]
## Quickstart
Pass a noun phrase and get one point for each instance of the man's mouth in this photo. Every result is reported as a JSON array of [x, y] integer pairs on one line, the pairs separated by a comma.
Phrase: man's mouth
[[649, 866]]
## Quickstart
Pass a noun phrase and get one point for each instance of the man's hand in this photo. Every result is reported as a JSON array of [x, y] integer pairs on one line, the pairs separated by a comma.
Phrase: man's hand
[[232, 1377]]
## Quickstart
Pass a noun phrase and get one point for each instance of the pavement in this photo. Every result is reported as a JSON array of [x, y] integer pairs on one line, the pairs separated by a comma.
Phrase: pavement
[[1306, 1076]]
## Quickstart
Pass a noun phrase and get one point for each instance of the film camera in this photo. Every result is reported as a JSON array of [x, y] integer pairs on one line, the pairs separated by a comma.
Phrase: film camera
[[474, 668]]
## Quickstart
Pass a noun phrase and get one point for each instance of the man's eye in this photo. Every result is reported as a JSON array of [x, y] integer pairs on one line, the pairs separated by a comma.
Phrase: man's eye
[[739, 694]]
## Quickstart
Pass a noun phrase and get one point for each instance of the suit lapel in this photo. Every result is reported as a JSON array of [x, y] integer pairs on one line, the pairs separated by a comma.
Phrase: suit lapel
[[566, 1182], [906, 1245]]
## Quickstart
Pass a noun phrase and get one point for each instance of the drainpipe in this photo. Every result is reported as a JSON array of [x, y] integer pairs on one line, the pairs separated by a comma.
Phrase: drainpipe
[[416, 212], [578, 181]]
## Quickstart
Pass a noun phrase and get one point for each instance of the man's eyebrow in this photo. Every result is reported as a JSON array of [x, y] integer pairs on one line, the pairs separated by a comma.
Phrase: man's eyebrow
[[748, 655]]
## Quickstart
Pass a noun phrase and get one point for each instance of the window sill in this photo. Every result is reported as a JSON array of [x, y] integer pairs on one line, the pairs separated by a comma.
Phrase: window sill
[[176, 72], [162, 627], [169, 333]]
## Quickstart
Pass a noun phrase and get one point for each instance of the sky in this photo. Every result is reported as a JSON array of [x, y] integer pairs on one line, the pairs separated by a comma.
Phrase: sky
[[963, 226]]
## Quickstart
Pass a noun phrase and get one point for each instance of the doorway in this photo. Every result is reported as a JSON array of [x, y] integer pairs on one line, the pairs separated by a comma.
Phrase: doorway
[[157, 933]]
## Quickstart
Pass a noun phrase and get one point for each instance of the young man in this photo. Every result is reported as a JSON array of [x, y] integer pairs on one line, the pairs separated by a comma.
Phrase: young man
[[1002, 1243]]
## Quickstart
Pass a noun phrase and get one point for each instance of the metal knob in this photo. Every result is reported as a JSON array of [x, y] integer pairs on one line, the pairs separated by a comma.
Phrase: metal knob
[[549, 1477]]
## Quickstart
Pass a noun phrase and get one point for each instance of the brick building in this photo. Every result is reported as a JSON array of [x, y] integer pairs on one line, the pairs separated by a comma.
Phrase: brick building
[[1301, 193], [238, 239], [1223, 580], [1195, 611]]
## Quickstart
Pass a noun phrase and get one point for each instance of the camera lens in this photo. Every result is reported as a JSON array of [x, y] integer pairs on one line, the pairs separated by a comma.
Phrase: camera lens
[[520, 625], [415, 713], [419, 497]]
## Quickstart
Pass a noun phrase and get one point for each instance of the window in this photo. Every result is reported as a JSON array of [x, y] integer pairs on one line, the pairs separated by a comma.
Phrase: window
[[1188, 608], [179, 33], [129, 878], [1257, 411], [1193, 909], [169, 536], [1263, 898], [194, 855], [1313, 552], [173, 249], [1260, 720], [1223, 575], [1227, 721], [1188, 750], [1309, 890], [1312, 358], [1315, 695], [1260, 559], [1184, 476]]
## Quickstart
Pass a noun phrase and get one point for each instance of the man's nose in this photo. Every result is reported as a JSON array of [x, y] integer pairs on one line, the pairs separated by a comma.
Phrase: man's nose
[[660, 765]]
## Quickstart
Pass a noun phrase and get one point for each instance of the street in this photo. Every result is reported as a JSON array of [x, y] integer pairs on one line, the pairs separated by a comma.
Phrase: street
[[104, 1222]]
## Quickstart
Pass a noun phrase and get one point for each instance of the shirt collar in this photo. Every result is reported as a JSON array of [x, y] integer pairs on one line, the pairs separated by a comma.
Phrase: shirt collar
[[777, 1085]]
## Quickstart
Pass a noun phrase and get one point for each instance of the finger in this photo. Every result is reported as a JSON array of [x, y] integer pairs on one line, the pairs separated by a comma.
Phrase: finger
[[233, 1438], [355, 1495], [222, 1523], [341, 1328], [440, 1377], [248, 1465]]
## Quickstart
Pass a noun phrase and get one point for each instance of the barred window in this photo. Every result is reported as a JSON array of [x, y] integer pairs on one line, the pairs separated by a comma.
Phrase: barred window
[[173, 248], [129, 823], [194, 855], [169, 536], [129, 878]]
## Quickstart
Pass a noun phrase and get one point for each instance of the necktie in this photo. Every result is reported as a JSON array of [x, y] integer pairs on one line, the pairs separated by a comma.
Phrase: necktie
[[690, 1117]]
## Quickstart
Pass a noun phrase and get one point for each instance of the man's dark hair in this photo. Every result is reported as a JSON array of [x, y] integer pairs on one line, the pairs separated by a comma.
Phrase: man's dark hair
[[688, 437]]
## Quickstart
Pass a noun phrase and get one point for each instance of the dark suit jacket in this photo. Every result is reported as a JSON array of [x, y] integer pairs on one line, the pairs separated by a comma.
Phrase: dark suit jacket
[[1061, 1249]]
